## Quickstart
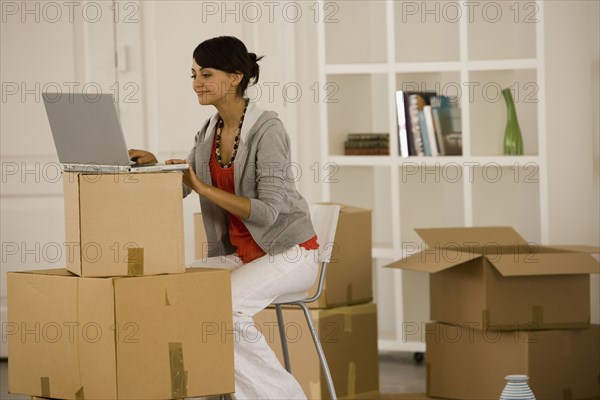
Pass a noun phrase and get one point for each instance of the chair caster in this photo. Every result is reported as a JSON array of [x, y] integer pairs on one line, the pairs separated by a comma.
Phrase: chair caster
[[418, 357]]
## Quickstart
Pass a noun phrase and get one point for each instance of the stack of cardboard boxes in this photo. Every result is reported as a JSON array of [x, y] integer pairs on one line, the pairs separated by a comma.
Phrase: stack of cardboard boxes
[[125, 320], [504, 306], [345, 316]]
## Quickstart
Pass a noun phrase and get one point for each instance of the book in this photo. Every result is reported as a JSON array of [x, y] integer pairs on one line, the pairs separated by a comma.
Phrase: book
[[424, 133], [430, 130], [367, 151], [406, 136], [368, 136], [447, 124], [403, 140], [415, 104], [367, 144]]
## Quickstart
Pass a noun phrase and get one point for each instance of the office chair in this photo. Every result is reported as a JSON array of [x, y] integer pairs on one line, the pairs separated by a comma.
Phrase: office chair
[[324, 219]]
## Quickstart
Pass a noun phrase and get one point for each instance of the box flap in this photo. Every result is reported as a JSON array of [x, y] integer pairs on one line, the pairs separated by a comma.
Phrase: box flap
[[54, 271], [433, 261], [470, 237], [577, 248], [544, 263]]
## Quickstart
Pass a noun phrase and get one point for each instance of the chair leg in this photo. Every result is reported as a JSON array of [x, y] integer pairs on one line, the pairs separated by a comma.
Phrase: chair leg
[[284, 347], [320, 352]]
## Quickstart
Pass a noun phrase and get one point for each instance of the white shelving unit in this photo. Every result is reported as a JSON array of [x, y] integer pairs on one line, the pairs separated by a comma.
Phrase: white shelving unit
[[370, 49]]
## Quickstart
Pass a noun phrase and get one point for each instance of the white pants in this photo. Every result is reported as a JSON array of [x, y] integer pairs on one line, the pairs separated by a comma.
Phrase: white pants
[[258, 372]]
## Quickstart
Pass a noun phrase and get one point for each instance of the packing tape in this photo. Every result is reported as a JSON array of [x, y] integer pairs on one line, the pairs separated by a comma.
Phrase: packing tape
[[79, 394], [178, 373], [347, 323], [135, 261], [537, 316], [427, 378], [351, 391], [349, 294], [485, 317], [45, 382], [314, 389], [167, 302], [567, 394]]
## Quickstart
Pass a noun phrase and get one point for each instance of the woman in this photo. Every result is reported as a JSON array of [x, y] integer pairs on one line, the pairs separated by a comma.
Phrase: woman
[[252, 213]]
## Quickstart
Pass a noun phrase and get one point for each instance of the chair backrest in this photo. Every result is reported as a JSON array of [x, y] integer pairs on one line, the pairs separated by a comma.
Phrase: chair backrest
[[324, 218]]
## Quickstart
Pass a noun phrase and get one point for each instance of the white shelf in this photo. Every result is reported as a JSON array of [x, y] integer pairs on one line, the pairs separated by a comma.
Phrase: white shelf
[[386, 252], [364, 161], [399, 345], [341, 69], [404, 192], [427, 67], [463, 161], [494, 65]]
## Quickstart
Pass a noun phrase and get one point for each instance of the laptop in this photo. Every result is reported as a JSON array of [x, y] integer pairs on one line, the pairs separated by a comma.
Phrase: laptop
[[88, 135]]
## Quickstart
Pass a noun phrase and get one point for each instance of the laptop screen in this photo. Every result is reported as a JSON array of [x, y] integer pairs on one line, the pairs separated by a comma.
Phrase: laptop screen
[[86, 129]]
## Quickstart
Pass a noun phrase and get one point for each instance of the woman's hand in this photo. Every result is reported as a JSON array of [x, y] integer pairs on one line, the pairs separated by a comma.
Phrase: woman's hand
[[237, 205], [189, 176], [142, 156]]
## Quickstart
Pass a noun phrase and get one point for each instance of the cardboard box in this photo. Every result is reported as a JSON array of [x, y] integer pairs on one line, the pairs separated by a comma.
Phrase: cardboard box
[[150, 337], [200, 241], [124, 224], [493, 278], [467, 363], [349, 339], [349, 275]]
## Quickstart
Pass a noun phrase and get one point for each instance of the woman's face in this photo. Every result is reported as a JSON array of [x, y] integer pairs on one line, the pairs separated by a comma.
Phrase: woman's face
[[213, 86]]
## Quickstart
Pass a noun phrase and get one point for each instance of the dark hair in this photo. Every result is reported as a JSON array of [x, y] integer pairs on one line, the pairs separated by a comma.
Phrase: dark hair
[[229, 54]]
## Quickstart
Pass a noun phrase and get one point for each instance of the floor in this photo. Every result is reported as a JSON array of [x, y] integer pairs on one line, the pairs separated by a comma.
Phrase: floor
[[398, 373]]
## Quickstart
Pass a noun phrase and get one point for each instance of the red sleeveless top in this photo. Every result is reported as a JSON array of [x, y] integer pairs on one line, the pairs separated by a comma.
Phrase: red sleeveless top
[[239, 236]]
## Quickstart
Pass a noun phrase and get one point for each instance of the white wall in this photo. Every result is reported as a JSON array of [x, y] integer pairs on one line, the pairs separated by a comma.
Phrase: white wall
[[572, 82], [42, 48]]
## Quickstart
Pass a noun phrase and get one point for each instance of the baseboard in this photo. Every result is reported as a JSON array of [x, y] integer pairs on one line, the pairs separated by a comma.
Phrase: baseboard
[[3, 318]]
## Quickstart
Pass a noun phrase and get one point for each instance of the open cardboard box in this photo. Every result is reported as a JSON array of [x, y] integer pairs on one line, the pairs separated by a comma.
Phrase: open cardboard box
[[151, 337], [490, 277]]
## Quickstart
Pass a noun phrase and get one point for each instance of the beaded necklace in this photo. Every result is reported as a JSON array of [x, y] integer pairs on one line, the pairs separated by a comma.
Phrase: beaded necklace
[[236, 140]]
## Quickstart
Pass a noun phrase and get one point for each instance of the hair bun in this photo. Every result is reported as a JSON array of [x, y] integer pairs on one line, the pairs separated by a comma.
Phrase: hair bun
[[253, 57]]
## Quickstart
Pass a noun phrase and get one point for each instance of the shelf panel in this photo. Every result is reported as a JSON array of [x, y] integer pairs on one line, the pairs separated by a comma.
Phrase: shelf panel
[[504, 29], [342, 69], [463, 161], [487, 109], [508, 196], [499, 65], [362, 161], [399, 345], [418, 67], [360, 24], [386, 252], [360, 107]]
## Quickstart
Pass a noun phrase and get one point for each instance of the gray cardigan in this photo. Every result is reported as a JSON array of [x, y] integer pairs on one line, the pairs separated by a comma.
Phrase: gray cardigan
[[279, 215]]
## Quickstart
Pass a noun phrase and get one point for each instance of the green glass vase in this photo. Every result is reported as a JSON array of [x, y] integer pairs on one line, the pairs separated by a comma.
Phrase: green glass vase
[[513, 142]]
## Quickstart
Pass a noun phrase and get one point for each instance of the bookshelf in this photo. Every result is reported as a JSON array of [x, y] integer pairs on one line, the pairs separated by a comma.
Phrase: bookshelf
[[366, 55]]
